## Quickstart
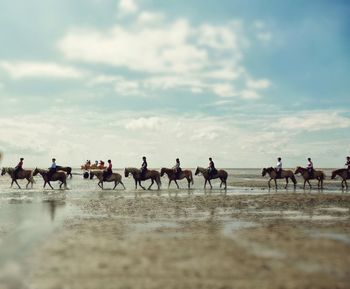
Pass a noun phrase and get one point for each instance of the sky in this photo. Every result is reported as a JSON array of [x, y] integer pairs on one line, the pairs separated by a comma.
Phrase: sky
[[240, 81]]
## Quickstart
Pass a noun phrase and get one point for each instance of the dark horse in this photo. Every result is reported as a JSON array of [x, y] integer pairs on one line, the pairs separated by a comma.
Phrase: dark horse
[[344, 174], [149, 174], [285, 174], [221, 174], [68, 170], [173, 176]]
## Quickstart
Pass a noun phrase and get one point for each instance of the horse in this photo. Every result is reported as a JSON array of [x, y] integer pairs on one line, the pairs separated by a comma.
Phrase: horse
[[22, 174], [173, 177], [221, 174], [285, 174], [57, 176], [114, 177], [318, 175], [149, 174], [344, 174], [68, 170]]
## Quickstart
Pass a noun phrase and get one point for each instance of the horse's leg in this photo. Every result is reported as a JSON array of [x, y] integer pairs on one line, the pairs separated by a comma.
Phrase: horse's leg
[[286, 183], [115, 184], [304, 183], [122, 184], [141, 185], [135, 184], [210, 184], [17, 184], [99, 184], [50, 185], [275, 183], [169, 183], [151, 184], [269, 182], [189, 182], [205, 183], [308, 181], [177, 184]]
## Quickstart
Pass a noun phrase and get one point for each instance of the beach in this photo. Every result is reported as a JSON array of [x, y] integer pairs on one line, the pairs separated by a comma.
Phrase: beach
[[245, 237]]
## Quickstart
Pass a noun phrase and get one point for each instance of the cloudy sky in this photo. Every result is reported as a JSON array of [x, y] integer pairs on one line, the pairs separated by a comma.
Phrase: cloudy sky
[[241, 81]]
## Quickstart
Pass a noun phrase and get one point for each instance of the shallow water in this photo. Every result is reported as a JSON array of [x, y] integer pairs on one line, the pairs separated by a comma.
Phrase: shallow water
[[27, 217]]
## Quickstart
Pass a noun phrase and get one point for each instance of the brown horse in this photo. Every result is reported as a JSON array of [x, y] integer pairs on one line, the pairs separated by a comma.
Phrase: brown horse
[[114, 177], [285, 174], [57, 176], [317, 175], [344, 174], [221, 174], [173, 177], [22, 174], [149, 174]]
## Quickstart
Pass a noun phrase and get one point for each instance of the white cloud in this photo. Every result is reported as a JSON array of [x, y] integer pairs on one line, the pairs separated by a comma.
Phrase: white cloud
[[170, 54], [258, 84], [145, 123], [126, 136], [224, 90], [249, 94], [127, 7], [149, 17], [264, 36], [22, 69], [314, 121]]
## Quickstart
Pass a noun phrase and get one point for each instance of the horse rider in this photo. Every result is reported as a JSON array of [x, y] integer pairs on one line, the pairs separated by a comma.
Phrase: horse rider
[[143, 167], [177, 168], [310, 167], [108, 172], [211, 168], [52, 169], [18, 168], [96, 163], [348, 164], [278, 167]]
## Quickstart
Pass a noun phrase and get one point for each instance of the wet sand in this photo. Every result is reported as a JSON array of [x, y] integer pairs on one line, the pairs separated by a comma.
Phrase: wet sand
[[193, 239], [270, 241]]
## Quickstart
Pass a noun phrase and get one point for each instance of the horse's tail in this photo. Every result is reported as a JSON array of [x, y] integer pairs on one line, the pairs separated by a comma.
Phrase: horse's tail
[[32, 177], [69, 172], [159, 181], [191, 177], [323, 176]]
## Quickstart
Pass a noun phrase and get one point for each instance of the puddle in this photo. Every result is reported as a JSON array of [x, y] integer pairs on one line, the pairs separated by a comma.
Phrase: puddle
[[229, 228], [27, 224], [335, 209], [345, 238], [144, 227]]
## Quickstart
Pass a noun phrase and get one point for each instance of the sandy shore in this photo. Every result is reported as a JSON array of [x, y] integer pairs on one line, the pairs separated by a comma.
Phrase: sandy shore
[[282, 240]]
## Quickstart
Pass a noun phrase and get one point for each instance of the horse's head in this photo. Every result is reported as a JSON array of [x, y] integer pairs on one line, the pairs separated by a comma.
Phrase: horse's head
[[162, 172], [126, 172], [197, 171], [3, 171], [297, 170], [334, 174], [35, 172], [91, 175], [264, 171]]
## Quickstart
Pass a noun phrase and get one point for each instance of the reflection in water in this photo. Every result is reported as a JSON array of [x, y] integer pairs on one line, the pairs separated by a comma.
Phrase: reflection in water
[[26, 224], [52, 206]]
